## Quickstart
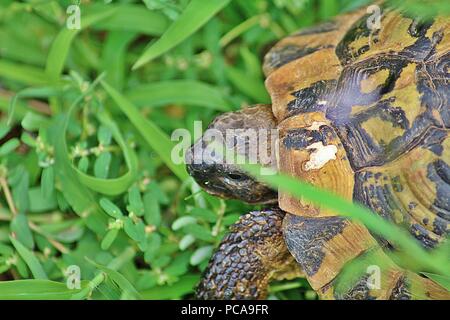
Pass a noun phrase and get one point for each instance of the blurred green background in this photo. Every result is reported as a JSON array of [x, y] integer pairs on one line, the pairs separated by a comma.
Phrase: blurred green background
[[84, 139]]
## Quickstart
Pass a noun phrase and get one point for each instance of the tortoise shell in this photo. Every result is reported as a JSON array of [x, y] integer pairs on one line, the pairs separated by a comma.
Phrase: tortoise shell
[[361, 112], [378, 102]]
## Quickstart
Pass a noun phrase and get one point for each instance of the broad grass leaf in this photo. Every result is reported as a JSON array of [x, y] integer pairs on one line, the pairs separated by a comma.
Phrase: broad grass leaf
[[186, 92], [328, 9], [425, 10], [60, 47], [252, 63], [442, 280], [41, 92], [196, 14], [251, 87], [130, 18], [81, 199], [109, 290], [36, 290], [114, 54], [154, 136], [25, 74]]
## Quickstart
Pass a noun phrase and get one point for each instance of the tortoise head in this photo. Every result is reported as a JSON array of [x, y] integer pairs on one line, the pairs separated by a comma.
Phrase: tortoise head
[[249, 133]]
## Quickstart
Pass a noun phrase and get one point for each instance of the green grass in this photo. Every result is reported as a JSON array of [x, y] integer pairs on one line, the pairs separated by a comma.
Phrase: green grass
[[85, 119]]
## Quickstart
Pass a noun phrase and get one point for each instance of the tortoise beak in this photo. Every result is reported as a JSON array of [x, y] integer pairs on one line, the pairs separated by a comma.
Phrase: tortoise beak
[[196, 167], [223, 181]]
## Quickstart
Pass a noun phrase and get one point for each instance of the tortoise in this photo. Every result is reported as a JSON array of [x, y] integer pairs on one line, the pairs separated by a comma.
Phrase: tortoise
[[363, 113]]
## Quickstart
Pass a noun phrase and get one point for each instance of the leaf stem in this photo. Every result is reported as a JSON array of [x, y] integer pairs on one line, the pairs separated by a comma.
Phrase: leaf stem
[[8, 195]]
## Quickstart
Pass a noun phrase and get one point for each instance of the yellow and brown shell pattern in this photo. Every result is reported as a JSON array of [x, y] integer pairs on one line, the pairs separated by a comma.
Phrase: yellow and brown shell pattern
[[382, 96]]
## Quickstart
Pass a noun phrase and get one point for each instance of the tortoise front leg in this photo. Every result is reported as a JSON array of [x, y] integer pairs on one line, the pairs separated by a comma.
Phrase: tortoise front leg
[[253, 253]]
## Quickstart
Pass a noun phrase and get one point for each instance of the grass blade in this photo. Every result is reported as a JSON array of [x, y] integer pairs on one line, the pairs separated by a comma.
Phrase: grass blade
[[83, 202], [42, 92], [113, 56], [23, 73], [186, 92], [59, 50], [442, 280], [154, 136], [252, 87], [36, 290], [196, 14], [128, 17]]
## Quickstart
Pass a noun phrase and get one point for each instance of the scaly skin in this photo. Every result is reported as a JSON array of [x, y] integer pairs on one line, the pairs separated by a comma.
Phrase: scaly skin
[[253, 253]]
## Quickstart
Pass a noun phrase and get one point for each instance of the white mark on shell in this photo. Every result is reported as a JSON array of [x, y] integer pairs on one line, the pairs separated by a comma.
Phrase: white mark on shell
[[316, 125], [320, 156]]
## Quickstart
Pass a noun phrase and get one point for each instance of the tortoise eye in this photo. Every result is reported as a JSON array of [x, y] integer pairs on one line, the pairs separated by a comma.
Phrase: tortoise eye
[[236, 176]]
